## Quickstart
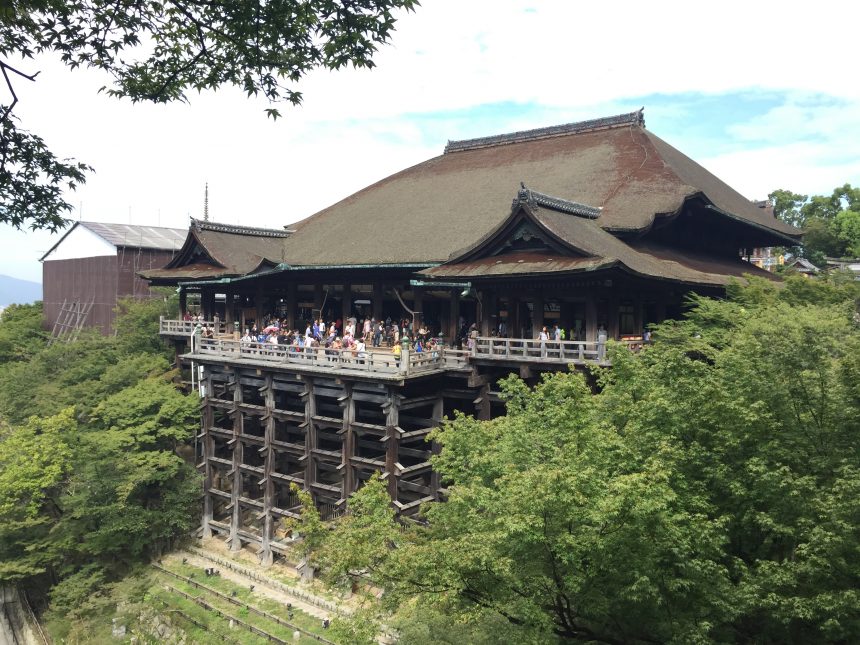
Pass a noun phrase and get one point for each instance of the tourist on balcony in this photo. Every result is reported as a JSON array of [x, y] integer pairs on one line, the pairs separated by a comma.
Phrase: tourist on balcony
[[360, 350]]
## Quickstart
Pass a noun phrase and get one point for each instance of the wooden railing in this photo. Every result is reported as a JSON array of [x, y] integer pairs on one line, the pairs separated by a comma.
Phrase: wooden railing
[[520, 349], [186, 327], [545, 351], [385, 362], [377, 362]]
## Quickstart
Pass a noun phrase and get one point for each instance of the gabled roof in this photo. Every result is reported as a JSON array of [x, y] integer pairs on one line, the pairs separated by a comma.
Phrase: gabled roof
[[576, 243], [213, 250], [425, 212], [130, 236]]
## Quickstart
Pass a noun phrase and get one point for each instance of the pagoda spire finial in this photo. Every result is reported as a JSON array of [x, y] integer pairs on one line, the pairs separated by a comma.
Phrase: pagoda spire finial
[[206, 204]]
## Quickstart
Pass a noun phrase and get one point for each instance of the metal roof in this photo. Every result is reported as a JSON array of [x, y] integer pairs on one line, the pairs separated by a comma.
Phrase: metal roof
[[130, 236], [141, 237]]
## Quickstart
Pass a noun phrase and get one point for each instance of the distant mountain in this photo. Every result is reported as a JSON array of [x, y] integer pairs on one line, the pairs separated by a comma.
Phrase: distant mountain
[[20, 292]]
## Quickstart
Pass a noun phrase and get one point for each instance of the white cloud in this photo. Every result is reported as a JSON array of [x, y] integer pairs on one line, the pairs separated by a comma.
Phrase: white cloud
[[447, 62]]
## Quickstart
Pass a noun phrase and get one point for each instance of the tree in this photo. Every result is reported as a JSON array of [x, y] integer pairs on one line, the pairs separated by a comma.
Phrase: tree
[[21, 332], [787, 206], [157, 51], [562, 529], [34, 461], [364, 537], [92, 479], [706, 492], [831, 223]]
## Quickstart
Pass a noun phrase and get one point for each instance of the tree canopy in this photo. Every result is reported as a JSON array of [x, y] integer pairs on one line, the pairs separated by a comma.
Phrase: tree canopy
[[93, 437], [157, 51], [831, 222], [705, 491]]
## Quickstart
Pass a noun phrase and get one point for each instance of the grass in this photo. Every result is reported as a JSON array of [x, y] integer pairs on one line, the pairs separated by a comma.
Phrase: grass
[[142, 595], [244, 594]]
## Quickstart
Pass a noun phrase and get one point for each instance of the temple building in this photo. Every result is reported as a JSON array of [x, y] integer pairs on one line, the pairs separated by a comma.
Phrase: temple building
[[599, 227]]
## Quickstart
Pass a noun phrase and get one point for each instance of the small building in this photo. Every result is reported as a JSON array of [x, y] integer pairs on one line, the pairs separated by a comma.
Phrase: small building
[[802, 266], [95, 264]]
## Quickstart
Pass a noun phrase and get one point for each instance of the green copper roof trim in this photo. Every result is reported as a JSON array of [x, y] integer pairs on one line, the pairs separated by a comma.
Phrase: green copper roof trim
[[282, 268], [326, 267]]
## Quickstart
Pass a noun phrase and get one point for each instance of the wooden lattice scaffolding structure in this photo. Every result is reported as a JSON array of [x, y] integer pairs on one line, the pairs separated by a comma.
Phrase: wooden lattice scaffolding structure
[[70, 320]]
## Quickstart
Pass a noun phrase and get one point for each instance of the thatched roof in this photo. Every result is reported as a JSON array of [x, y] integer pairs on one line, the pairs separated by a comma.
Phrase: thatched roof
[[572, 241], [215, 250], [424, 213]]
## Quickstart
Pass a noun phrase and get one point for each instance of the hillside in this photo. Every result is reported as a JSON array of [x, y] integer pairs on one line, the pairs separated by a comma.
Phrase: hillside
[[15, 291]]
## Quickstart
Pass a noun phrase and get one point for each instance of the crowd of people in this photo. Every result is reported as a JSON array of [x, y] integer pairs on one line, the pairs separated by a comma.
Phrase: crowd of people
[[349, 334]]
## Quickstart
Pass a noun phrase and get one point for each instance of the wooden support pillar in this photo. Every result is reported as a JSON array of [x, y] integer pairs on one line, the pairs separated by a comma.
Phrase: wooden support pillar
[[418, 305], [310, 436], [639, 313], [514, 323], [438, 412], [591, 319], [229, 313], [482, 407], [266, 556], [612, 314], [378, 296], [537, 314], [454, 318], [238, 458], [346, 304], [259, 306], [349, 441], [208, 453], [392, 438], [488, 309], [207, 303], [319, 296], [183, 302], [292, 323], [660, 308]]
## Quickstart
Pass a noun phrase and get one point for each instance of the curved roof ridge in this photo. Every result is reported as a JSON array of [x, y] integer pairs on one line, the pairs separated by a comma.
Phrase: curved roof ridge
[[534, 198], [236, 229], [619, 120]]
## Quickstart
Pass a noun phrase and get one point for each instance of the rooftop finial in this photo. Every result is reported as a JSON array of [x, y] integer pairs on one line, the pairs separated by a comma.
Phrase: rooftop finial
[[206, 204]]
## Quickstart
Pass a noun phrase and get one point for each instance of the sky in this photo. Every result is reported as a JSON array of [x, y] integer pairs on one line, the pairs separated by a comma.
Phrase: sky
[[764, 94]]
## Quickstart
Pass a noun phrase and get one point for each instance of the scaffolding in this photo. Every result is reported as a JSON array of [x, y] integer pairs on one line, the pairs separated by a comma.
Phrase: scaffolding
[[70, 320]]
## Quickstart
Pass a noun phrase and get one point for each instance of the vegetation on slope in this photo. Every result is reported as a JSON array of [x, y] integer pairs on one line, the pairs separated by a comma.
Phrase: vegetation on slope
[[707, 493], [91, 478]]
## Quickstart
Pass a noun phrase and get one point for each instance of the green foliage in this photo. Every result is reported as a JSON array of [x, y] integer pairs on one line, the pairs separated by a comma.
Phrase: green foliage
[[34, 462], [82, 373], [91, 478], [706, 493], [831, 223], [759, 421], [361, 628], [363, 538], [158, 52], [309, 526], [21, 334], [33, 179], [787, 206], [137, 321]]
